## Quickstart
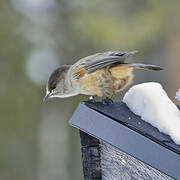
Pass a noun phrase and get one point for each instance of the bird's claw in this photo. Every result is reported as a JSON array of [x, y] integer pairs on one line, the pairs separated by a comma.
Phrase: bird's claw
[[92, 99], [107, 101]]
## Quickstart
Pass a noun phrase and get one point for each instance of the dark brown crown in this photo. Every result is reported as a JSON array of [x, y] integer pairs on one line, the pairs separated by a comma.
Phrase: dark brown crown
[[56, 76]]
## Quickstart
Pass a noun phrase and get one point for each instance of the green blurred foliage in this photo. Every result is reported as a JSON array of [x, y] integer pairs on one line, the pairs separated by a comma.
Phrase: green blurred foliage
[[36, 141]]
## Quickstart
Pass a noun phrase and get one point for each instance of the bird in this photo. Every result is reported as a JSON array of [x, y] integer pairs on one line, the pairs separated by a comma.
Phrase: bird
[[102, 74]]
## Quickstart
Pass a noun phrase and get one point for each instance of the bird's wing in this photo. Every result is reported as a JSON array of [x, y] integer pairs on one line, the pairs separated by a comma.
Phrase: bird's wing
[[101, 60], [106, 59]]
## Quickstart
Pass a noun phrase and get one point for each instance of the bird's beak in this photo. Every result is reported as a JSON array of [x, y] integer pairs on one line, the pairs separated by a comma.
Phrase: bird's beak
[[47, 96]]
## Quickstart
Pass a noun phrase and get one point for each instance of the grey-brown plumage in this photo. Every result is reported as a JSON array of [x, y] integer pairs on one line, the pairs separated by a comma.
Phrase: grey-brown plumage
[[57, 76], [100, 74]]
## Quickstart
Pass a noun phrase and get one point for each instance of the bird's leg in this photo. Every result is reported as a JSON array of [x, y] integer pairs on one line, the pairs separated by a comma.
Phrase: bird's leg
[[108, 100], [92, 98], [110, 96]]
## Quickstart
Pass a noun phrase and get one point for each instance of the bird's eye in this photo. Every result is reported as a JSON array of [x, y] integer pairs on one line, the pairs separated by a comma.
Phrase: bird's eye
[[52, 87], [52, 90]]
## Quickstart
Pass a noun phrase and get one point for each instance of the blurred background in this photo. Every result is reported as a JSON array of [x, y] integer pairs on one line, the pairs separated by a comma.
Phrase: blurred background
[[36, 36]]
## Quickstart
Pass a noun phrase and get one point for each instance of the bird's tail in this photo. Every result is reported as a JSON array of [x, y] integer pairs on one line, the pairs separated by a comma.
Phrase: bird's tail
[[142, 66]]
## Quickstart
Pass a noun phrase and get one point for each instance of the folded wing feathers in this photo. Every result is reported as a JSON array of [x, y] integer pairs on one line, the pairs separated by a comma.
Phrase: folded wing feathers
[[106, 59]]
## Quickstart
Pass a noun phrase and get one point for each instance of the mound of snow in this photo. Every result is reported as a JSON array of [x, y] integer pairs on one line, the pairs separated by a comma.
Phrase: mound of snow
[[178, 95], [150, 101]]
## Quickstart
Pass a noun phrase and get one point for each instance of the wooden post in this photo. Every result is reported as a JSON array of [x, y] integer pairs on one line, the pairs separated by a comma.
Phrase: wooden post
[[101, 161], [118, 165], [90, 157], [123, 146]]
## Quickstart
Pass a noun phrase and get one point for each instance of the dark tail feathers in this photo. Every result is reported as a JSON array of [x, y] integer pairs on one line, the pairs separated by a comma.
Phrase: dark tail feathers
[[144, 66]]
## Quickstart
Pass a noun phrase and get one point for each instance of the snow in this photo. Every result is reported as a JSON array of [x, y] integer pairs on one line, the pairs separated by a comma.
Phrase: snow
[[150, 101], [178, 95]]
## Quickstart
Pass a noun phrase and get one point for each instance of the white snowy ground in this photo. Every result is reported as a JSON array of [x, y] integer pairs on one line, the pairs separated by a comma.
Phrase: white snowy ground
[[150, 101]]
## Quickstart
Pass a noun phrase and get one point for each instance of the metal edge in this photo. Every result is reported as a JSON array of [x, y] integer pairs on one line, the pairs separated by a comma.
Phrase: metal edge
[[127, 140]]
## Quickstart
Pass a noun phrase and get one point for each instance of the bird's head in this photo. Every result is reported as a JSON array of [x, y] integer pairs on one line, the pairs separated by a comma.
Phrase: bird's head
[[57, 85]]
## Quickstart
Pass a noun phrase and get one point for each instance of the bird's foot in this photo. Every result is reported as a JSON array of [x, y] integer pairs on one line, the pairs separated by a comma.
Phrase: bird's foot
[[107, 101], [92, 99]]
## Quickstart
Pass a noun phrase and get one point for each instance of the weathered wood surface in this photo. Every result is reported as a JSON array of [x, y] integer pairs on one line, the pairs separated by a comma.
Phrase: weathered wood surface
[[109, 163], [101, 161], [91, 162], [117, 165]]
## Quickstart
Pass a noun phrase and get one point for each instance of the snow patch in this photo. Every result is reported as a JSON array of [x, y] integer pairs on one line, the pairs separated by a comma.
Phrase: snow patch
[[150, 101], [178, 95]]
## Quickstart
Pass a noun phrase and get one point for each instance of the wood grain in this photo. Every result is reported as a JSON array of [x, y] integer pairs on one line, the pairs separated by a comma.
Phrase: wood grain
[[117, 165]]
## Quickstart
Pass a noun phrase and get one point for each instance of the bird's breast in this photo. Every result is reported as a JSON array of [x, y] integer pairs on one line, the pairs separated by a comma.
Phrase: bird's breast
[[104, 81]]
